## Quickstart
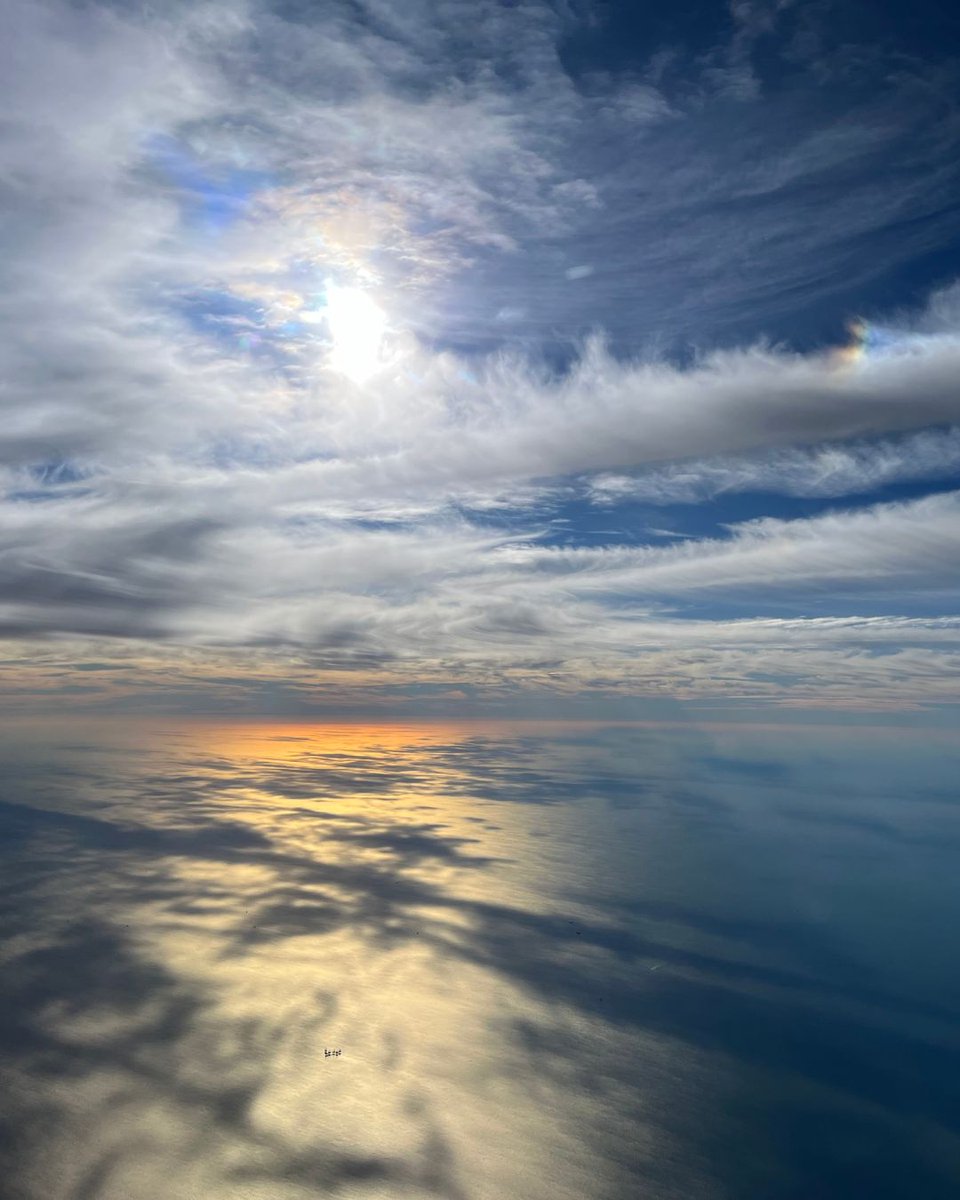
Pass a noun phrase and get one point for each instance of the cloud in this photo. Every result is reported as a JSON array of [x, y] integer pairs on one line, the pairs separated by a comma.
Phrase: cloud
[[185, 470], [887, 548], [839, 469], [399, 609]]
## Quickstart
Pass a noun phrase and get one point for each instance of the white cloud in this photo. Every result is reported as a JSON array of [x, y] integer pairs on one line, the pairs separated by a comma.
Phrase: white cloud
[[184, 467], [891, 549], [839, 469]]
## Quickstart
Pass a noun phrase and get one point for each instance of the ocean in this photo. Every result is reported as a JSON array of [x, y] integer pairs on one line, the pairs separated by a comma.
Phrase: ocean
[[483, 961]]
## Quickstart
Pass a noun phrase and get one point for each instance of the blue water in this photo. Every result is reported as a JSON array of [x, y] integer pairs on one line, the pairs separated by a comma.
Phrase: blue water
[[524, 963]]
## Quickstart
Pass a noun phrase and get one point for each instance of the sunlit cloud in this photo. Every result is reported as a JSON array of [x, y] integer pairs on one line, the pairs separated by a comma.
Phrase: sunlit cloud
[[357, 325], [318, 344]]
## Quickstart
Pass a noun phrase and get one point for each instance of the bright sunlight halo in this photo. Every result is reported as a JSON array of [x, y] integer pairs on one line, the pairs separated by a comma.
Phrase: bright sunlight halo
[[356, 325]]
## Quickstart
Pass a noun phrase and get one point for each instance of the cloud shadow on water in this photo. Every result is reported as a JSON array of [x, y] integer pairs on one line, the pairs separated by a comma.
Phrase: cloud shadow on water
[[839, 1082]]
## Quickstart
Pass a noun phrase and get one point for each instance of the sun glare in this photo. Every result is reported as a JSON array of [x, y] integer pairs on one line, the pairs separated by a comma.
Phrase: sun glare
[[356, 325]]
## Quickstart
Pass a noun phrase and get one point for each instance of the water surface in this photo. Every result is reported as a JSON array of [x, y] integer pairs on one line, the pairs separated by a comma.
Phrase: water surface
[[485, 962]]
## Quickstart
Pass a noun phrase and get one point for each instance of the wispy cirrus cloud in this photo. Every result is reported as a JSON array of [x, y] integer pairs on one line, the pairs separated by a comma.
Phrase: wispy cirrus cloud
[[186, 469]]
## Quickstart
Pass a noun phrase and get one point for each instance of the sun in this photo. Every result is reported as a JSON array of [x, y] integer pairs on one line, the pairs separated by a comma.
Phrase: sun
[[356, 324]]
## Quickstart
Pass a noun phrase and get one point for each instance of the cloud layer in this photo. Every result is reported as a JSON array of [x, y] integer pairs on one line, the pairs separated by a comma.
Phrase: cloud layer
[[199, 497]]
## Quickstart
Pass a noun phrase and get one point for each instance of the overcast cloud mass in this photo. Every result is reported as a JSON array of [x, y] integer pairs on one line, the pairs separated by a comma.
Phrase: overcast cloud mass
[[372, 355]]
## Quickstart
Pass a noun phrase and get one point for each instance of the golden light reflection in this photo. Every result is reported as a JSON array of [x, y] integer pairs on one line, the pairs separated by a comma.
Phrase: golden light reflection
[[284, 891]]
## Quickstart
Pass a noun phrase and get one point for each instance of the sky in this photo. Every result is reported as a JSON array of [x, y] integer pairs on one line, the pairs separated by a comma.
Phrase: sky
[[468, 357]]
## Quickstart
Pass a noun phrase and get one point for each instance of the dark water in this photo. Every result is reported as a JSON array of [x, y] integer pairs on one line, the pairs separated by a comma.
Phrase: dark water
[[275, 963]]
